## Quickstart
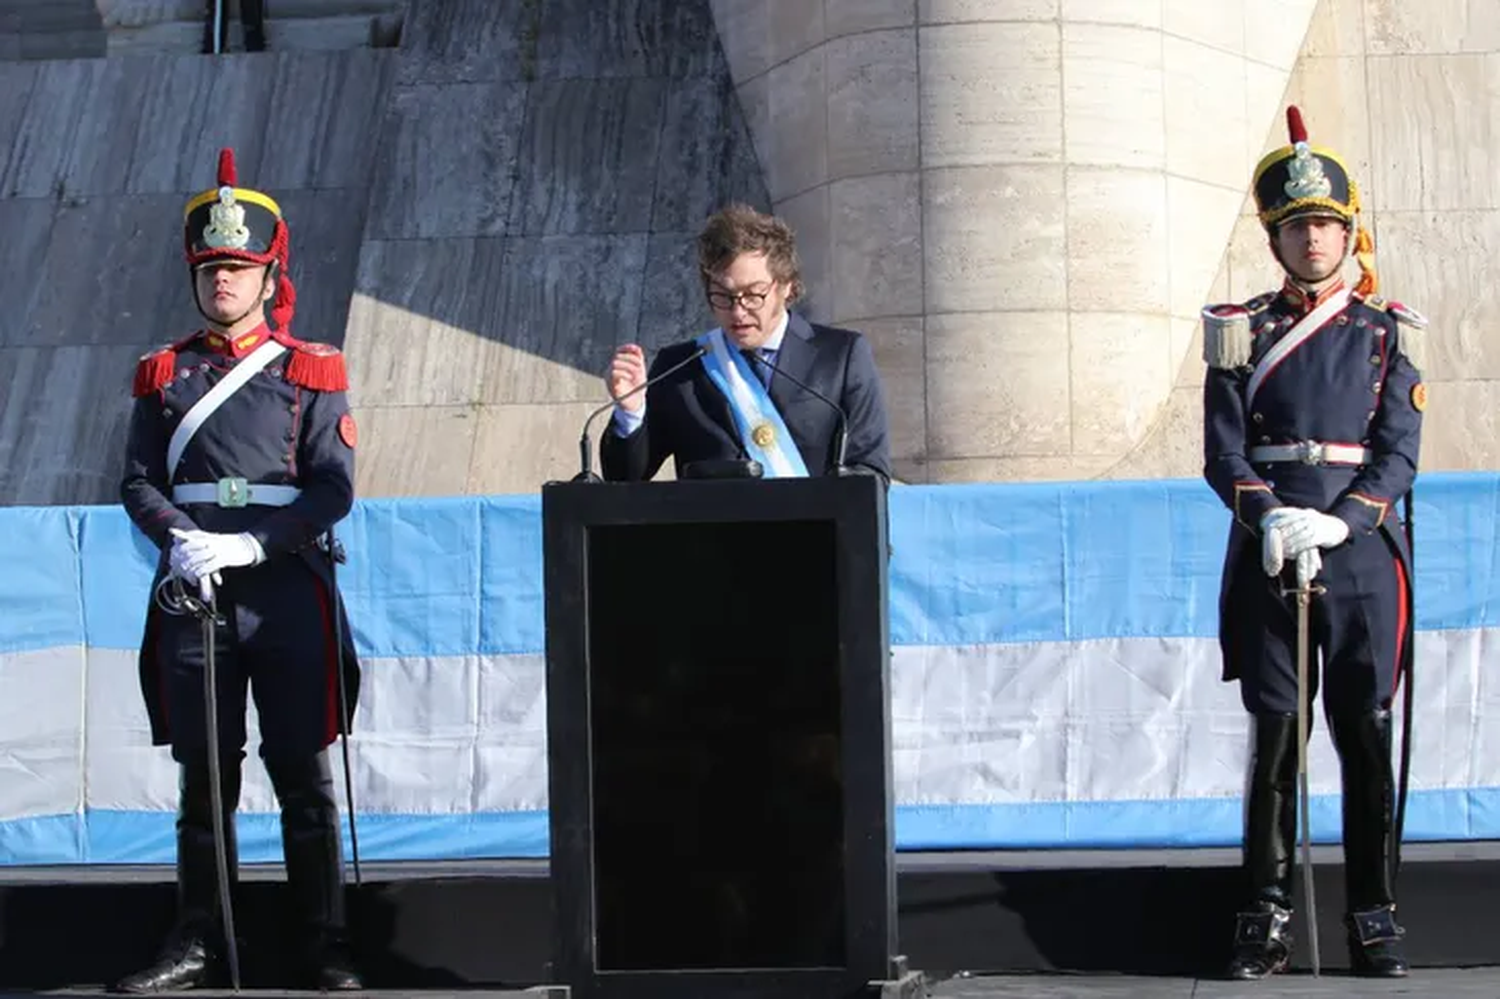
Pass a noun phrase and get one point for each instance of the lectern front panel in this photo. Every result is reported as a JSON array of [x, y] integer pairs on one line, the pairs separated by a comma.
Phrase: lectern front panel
[[716, 746]]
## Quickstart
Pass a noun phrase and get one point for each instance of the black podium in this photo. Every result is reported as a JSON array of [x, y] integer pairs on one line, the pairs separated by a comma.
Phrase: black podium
[[719, 740]]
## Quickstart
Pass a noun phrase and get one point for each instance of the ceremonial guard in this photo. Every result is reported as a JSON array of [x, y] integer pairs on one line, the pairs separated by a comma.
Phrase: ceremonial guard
[[240, 460], [1312, 422]]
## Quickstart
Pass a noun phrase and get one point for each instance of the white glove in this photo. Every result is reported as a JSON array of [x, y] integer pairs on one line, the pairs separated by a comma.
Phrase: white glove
[[1303, 529], [177, 560], [1309, 564], [1272, 544], [202, 554], [180, 566]]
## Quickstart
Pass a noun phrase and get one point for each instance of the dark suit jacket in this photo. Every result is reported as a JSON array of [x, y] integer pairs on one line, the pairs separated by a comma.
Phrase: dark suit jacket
[[688, 419]]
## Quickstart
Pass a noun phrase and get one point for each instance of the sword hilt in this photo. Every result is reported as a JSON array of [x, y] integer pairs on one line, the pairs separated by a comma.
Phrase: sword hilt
[[174, 598], [1309, 591]]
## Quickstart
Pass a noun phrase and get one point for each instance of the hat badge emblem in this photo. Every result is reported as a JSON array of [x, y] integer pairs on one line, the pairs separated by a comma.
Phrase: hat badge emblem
[[1307, 179], [226, 223]]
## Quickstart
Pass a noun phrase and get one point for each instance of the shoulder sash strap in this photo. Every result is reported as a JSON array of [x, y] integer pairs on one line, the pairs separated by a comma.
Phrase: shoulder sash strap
[[1295, 337], [216, 397]]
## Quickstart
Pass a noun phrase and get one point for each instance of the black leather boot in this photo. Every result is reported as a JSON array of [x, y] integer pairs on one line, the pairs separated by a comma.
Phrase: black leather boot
[[253, 20], [311, 843], [210, 23], [1363, 742], [1262, 932], [192, 956]]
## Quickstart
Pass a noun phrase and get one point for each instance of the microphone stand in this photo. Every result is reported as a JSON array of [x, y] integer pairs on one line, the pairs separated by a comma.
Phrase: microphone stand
[[585, 447], [841, 442]]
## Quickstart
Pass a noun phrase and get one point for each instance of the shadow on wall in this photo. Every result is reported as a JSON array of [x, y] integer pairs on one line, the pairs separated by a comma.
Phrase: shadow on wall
[[540, 184], [503, 199]]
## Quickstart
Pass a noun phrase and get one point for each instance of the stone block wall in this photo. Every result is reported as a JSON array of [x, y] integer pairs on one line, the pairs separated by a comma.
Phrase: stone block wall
[[1027, 202]]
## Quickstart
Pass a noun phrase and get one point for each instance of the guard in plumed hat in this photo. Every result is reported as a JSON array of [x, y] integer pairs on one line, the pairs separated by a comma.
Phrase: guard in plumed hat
[[1313, 407], [240, 460]]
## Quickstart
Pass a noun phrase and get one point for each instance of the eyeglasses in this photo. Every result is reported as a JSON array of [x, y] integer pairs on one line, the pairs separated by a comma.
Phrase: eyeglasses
[[752, 300]]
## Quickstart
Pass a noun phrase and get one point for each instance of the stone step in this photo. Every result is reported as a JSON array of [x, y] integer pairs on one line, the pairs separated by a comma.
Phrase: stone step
[[283, 34], [143, 13], [59, 15], [50, 29], [83, 44], [31, 7], [73, 29]]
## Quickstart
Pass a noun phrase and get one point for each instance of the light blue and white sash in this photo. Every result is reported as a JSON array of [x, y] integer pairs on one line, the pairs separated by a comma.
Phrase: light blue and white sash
[[765, 436]]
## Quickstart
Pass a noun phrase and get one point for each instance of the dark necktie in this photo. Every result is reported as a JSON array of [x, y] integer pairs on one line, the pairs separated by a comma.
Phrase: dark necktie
[[763, 371]]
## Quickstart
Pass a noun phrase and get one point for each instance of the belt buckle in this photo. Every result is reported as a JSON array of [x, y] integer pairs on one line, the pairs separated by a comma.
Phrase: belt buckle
[[1313, 453], [234, 492]]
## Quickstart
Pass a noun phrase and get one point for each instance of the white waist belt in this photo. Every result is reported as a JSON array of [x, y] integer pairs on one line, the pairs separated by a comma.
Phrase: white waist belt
[[234, 493], [1312, 453]]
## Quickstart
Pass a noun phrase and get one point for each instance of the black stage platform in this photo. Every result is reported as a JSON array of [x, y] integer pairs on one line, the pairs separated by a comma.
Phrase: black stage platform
[[963, 917], [1435, 983]]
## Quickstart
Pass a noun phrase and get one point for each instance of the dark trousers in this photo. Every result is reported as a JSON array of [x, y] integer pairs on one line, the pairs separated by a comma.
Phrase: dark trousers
[[310, 840], [275, 642], [1357, 628], [1358, 624], [252, 17]]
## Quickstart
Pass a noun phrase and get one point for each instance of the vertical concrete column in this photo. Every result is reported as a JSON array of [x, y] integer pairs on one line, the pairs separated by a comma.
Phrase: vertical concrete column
[[830, 92], [1403, 90], [1066, 175], [1430, 123]]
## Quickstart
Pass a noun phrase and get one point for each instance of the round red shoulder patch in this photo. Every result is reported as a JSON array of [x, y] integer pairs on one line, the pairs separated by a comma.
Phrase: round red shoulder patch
[[348, 432]]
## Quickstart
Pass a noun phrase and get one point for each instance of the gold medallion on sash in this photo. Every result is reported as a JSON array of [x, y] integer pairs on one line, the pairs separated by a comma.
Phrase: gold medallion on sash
[[763, 434]]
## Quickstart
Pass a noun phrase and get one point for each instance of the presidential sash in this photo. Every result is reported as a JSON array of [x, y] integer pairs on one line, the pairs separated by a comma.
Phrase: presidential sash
[[765, 436]]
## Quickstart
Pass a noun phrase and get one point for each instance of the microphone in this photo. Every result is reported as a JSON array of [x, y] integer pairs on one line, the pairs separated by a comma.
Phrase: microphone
[[585, 449], [842, 440]]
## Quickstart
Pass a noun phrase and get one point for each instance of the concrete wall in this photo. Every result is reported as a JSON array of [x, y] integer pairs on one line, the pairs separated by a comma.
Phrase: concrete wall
[[479, 217], [99, 157], [543, 171], [1023, 202], [50, 29], [137, 26], [1407, 91], [1027, 202]]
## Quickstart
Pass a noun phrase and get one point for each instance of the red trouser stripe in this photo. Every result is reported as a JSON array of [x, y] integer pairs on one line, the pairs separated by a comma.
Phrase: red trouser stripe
[[331, 725], [1401, 622]]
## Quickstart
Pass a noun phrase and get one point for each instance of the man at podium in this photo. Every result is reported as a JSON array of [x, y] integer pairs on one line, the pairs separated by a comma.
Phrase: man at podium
[[765, 393]]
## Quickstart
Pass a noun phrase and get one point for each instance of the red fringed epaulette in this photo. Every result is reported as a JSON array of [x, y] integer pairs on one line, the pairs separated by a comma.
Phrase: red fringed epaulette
[[157, 369], [154, 372], [317, 366]]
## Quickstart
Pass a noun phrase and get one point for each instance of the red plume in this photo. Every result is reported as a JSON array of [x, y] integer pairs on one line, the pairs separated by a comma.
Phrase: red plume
[[228, 177], [284, 306], [1294, 126]]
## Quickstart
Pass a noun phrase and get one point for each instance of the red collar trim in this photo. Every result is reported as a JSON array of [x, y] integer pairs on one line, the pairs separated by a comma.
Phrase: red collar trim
[[241, 345], [1302, 302]]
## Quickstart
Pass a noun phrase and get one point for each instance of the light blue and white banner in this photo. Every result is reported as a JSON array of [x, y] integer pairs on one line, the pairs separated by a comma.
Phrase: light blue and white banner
[[1055, 680]]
